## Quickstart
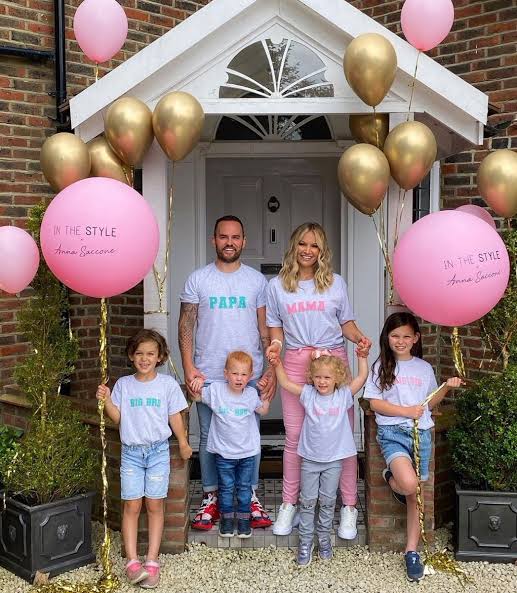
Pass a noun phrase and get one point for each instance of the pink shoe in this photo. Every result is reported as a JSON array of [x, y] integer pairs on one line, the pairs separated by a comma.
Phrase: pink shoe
[[153, 568], [135, 572]]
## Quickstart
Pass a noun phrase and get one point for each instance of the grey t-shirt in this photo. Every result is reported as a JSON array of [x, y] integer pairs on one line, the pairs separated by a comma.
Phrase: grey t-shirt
[[414, 381], [309, 318], [227, 316], [234, 432], [326, 432], [145, 407]]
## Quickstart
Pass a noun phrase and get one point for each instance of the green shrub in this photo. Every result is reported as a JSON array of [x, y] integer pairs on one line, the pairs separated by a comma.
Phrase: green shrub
[[54, 460], [484, 440], [9, 444]]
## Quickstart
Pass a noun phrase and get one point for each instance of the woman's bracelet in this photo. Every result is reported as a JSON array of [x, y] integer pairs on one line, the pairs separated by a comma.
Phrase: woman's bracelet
[[278, 342]]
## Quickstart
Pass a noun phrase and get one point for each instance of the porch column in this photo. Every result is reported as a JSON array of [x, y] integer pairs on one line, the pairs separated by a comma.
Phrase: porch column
[[156, 185]]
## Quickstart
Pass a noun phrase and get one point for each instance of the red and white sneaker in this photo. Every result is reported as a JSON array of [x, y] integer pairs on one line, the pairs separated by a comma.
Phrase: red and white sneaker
[[208, 512], [259, 517]]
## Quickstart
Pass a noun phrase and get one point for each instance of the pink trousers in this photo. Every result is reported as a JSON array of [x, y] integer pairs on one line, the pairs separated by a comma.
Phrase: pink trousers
[[296, 363]]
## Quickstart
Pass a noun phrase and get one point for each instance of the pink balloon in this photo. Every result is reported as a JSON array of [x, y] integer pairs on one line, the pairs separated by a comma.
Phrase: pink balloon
[[99, 237], [481, 213], [426, 23], [450, 268], [19, 259], [100, 27]]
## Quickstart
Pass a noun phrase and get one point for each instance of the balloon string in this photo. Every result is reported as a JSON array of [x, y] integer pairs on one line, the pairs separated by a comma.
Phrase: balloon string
[[377, 141], [413, 85], [96, 71], [443, 560], [379, 231], [398, 218], [108, 582]]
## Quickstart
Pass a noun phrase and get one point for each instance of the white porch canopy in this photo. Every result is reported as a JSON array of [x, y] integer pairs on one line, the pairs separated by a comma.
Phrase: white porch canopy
[[198, 56]]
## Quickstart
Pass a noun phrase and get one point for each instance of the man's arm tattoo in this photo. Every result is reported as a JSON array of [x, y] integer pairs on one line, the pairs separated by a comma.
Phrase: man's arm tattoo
[[186, 324]]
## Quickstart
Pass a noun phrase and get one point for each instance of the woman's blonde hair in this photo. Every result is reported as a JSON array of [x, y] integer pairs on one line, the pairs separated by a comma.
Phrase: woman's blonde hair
[[290, 272], [341, 371]]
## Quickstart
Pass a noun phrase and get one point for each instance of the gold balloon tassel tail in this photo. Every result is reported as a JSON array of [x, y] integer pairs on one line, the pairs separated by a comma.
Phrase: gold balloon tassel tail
[[108, 581], [442, 561], [457, 355]]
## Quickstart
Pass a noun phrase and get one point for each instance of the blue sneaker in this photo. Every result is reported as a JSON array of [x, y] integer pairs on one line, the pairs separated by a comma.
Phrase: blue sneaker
[[387, 475], [243, 528], [304, 556], [325, 548], [226, 527], [414, 566]]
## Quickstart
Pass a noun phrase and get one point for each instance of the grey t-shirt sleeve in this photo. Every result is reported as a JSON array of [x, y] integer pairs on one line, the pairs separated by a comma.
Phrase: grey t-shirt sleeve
[[344, 312], [262, 295], [175, 399], [190, 292], [273, 318], [116, 395], [371, 390]]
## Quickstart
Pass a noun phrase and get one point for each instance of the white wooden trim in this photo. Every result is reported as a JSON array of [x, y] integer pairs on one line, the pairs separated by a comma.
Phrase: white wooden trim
[[435, 187]]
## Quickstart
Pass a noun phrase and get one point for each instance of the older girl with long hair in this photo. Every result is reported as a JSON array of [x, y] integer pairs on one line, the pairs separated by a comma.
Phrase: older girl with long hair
[[308, 308]]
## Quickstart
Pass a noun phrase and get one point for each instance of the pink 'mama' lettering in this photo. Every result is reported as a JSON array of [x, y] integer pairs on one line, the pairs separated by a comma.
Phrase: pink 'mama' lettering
[[303, 306]]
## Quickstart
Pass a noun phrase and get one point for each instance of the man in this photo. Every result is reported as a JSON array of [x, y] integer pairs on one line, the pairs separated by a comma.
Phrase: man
[[224, 305]]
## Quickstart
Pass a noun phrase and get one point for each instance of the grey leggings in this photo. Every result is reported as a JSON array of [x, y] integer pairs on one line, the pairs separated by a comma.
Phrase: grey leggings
[[319, 483]]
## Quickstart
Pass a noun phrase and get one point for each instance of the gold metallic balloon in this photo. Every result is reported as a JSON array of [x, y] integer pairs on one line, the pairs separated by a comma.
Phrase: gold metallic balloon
[[370, 66], [411, 151], [64, 160], [370, 128], [497, 182], [105, 163], [178, 120], [128, 129], [364, 174]]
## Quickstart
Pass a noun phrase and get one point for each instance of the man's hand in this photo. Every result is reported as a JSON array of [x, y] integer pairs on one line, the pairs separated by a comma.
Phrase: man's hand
[[191, 376], [267, 385]]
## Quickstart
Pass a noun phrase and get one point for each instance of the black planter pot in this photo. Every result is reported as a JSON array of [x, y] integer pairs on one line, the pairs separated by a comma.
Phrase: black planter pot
[[53, 537], [486, 526]]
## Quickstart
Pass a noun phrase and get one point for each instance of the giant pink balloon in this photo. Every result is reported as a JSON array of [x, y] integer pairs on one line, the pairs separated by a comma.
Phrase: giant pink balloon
[[100, 27], [99, 237], [19, 259], [450, 268], [426, 23], [481, 213]]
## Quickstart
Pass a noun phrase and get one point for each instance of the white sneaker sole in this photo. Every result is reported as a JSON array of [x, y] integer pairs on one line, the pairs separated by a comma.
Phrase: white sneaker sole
[[348, 535], [286, 530]]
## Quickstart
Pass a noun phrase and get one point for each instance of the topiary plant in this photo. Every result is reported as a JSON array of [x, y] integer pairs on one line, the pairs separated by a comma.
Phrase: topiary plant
[[484, 440], [53, 459]]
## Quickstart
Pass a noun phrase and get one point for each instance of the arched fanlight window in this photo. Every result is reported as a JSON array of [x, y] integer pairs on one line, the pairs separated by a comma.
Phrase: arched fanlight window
[[267, 69], [273, 127]]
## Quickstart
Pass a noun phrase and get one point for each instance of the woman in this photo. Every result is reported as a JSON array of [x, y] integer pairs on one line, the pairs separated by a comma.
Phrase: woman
[[307, 306]]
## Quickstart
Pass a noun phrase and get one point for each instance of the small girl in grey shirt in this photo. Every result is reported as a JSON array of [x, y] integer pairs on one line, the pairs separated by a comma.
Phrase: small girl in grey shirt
[[325, 440]]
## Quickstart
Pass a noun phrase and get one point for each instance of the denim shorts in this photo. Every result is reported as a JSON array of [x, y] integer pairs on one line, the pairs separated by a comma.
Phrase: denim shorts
[[144, 471], [396, 440]]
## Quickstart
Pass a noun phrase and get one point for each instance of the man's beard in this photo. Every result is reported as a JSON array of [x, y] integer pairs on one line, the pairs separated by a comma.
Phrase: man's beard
[[227, 259]]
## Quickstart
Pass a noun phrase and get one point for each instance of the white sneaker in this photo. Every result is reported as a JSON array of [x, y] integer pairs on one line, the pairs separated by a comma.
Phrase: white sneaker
[[285, 519], [347, 523]]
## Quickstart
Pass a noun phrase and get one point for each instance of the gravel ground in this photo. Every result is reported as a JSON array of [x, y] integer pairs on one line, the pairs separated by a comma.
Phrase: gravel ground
[[271, 570]]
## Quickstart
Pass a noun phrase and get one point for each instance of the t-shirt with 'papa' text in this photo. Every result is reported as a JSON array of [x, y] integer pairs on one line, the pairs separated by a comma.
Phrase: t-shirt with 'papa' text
[[145, 407], [227, 316]]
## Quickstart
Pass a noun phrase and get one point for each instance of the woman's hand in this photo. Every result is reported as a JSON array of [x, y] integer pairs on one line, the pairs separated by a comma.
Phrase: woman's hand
[[185, 451]]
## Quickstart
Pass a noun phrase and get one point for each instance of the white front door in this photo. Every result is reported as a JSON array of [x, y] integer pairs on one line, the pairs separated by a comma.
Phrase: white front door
[[272, 197]]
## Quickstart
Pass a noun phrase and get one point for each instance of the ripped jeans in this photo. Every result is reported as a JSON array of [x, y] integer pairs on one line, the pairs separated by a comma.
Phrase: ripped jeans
[[144, 471], [319, 484]]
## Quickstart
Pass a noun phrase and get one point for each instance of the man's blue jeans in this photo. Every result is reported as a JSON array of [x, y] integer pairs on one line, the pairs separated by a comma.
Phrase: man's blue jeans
[[206, 459], [234, 475]]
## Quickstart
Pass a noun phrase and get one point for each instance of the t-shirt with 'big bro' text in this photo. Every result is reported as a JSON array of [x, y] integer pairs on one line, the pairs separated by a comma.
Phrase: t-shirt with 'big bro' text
[[227, 316]]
